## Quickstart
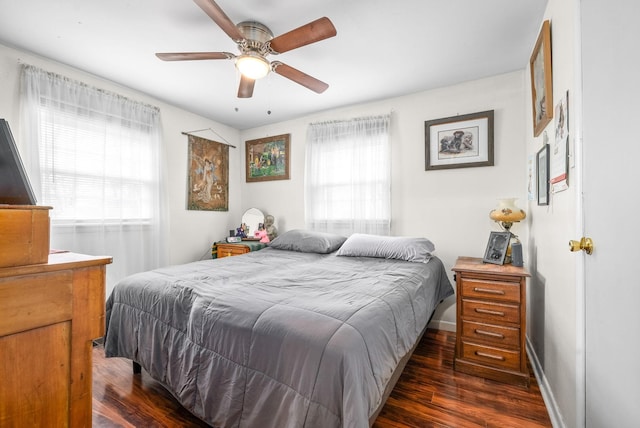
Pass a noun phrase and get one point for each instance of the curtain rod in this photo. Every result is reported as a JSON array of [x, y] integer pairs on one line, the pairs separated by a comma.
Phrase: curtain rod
[[208, 129]]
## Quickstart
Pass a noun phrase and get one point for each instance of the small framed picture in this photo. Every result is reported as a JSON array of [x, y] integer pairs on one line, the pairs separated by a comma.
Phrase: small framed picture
[[497, 248], [542, 163]]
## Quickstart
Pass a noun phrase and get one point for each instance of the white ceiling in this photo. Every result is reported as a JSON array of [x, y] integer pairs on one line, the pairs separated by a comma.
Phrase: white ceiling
[[383, 48]]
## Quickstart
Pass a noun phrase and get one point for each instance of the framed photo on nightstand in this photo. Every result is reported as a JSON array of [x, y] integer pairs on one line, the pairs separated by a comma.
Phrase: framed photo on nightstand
[[497, 248]]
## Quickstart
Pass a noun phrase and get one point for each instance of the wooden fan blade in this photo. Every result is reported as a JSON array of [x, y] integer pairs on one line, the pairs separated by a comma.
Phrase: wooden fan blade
[[246, 87], [312, 32], [299, 77], [219, 17], [188, 56]]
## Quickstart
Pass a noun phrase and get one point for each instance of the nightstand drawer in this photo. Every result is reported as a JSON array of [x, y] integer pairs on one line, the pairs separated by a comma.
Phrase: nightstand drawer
[[490, 312], [231, 250], [228, 249], [490, 356], [494, 290], [494, 334]]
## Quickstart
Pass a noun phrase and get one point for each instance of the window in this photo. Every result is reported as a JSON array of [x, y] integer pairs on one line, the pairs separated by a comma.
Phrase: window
[[93, 170], [347, 176], [94, 157]]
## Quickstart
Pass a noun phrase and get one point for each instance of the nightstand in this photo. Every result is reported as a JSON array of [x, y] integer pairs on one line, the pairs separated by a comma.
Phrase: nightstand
[[491, 320], [228, 249]]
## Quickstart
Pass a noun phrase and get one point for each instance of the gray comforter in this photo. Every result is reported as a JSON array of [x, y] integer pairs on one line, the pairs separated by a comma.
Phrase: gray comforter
[[275, 338]]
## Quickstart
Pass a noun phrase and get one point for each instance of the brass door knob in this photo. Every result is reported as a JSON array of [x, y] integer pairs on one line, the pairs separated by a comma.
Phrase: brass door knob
[[585, 244]]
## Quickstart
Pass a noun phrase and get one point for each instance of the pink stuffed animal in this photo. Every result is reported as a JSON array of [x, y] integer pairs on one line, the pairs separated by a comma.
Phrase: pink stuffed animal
[[262, 234]]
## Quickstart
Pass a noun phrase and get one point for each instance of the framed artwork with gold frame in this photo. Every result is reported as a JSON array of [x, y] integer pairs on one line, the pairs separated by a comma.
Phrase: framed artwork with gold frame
[[541, 80], [267, 158]]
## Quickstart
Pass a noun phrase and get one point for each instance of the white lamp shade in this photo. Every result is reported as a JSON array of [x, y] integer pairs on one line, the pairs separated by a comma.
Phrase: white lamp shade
[[252, 65]]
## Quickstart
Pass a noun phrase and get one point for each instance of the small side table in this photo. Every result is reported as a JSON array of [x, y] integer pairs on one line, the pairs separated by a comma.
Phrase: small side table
[[229, 249], [491, 318]]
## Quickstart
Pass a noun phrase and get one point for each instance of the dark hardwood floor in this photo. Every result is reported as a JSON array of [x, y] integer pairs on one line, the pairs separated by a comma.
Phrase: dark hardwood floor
[[428, 394]]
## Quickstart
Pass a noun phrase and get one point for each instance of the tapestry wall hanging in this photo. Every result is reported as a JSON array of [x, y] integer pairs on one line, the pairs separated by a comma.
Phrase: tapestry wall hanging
[[208, 172]]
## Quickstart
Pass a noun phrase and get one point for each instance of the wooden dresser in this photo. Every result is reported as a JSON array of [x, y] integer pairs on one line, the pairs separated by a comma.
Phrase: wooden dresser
[[49, 314], [491, 320]]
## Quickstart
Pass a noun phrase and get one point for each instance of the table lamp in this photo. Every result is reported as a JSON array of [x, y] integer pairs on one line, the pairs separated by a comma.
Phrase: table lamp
[[505, 214]]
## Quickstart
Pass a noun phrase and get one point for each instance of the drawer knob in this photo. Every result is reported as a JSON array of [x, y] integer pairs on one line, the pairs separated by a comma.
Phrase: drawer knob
[[493, 357], [488, 291], [488, 333], [489, 312]]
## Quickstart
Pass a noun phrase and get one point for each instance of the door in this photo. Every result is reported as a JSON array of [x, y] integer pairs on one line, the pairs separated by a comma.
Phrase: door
[[611, 187]]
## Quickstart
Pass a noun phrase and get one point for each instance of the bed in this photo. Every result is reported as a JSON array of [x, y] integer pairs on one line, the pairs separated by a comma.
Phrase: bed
[[311, 331]]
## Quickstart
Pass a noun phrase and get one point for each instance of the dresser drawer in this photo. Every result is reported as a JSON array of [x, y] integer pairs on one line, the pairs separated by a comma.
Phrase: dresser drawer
[[32, 301], [488, 333], [490, 311], [494, 290], [231, 250], [491, 356]]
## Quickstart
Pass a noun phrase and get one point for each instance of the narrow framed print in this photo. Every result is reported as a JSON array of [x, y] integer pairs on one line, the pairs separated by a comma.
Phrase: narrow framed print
[[459, 141], [541, 80], [559, 151], [497, 247], [542, 163]]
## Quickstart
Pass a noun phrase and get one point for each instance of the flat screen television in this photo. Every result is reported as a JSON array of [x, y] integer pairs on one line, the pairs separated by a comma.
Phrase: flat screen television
[[15, 188]]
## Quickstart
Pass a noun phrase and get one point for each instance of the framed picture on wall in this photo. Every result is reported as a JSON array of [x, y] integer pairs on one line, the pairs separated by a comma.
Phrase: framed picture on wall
[[541, 80], [542, 163], [459, 141], [267, 158], [497, 247]]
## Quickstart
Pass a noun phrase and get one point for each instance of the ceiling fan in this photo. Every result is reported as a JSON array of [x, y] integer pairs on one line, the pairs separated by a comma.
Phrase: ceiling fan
[[255, 41]]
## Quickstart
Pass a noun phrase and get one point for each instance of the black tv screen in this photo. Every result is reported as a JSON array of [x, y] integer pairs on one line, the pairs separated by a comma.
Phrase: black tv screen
[[15, 188]]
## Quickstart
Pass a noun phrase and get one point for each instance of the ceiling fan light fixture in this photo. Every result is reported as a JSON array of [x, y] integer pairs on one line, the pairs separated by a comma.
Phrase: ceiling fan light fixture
[[255, 42], [253, 65]]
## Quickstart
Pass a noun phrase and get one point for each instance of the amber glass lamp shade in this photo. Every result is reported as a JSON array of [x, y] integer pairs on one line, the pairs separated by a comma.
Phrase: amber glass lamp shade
[[507, 213]]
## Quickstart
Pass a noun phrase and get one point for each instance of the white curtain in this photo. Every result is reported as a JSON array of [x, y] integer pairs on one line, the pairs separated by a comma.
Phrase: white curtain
[[348, 176], [95, 157]]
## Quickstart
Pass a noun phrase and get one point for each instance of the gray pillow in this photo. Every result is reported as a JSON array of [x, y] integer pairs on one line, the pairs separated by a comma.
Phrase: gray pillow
[[307, 241], [387, 247]]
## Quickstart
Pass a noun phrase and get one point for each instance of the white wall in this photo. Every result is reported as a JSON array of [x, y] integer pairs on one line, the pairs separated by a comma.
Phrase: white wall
[[191, 232], [451, 207], [552, 299]]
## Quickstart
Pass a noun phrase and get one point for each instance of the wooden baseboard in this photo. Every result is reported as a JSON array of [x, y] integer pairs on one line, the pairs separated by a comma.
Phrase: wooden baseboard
[[545, 388], [443, 325]]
